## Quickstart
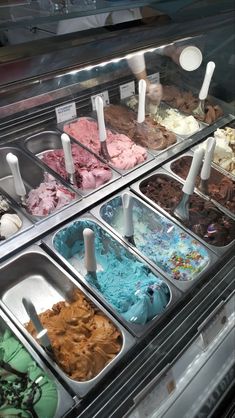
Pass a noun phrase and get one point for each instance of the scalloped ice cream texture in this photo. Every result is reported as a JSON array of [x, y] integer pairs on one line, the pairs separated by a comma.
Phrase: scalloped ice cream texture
[[127, 284], [178, 123], [124, 153], [167, 245], [90, 173], [25, 387], [10, 222]]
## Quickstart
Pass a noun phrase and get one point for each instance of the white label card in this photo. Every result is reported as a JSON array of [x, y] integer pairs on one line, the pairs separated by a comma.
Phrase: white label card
[[214, 326], [104, 95], [127, 90], [66, 112], [154, 78]]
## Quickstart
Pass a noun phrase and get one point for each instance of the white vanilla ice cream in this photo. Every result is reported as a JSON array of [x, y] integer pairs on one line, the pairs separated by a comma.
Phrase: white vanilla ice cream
[[224, 154], [178, 123]]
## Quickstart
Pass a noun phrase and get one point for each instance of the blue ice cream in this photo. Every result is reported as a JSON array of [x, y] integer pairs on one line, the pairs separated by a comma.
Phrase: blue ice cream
[[167, 245], [125, 282]]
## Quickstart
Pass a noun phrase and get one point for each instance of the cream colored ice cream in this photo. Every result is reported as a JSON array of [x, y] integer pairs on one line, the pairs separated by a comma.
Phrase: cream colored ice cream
[[10, 224], [178, 123]]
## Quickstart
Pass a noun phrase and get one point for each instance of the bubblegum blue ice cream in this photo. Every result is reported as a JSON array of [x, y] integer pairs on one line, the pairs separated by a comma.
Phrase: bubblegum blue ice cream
[[167, 245], [125, 282]]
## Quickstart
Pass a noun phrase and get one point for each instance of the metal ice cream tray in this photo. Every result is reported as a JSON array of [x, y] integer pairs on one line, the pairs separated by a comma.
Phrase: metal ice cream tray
[[33, 273], [45, 141], [169, 226], [109, 241], [65, 401], [219, 173], [32, 174], [120, 171], [136, 187]]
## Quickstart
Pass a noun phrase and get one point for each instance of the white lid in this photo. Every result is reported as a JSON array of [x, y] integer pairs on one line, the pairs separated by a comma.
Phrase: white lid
[[190, 58]]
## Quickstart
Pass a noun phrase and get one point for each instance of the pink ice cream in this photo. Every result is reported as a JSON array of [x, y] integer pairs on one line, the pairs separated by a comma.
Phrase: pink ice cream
[[48, 197], [90, 173], [124, 153]]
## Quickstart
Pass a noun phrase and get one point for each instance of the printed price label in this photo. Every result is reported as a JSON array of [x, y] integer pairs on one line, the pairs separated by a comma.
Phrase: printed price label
[[127, 90], [105, 97], [214, 326], [66, 112], [154, 78]]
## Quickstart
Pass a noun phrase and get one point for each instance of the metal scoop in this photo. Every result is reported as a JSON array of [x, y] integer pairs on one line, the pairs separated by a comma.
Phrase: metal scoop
[[42, 334], [90, 258], [182, 209], [206, 168], [200, 109], [13, 163], [127, 205], [99, 105]]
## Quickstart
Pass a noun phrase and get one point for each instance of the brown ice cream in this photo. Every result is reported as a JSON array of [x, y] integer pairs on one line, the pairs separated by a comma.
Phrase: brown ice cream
[[205, 219], [84, 340], [186, 102], [221, 188], [149, 134]]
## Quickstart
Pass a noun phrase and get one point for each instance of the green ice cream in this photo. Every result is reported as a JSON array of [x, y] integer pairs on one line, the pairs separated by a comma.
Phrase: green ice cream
[[25, 390]]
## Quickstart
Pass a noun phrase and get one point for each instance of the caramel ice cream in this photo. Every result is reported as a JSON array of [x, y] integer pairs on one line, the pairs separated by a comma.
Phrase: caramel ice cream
[[83, 339]]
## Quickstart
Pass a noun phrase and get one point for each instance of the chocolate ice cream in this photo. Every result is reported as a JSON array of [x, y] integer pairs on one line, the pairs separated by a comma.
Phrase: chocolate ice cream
[[149, 134], [221, 188], [83, 339], [205, 219]]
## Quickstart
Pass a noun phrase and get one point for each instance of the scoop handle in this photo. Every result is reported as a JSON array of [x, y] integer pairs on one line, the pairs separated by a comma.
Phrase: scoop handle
[[14, 167], [127, 204], [210, 148], [188, 187], [32, 313], [68, 158], [141, 105], [89, 243], [99, 105], [207, 79]]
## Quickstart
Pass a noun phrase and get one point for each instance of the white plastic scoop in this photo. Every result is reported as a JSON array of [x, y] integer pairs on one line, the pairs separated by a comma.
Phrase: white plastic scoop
[[200, 109], [18, 182], [206, 168], [141, 104], [99, 105], [68, 158], [127, 204], [182, 211], [42, 334], [90, 258]]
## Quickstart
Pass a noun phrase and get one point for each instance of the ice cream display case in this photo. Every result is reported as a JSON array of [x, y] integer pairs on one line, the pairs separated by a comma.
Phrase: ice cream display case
[[117, 220]]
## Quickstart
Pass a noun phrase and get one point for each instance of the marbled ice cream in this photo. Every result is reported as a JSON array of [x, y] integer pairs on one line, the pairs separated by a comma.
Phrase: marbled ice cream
[[186, 102], [224, 154], [205, 219], [149, 134], [124, 153], [221, 188], [90, 173], [83, 339]]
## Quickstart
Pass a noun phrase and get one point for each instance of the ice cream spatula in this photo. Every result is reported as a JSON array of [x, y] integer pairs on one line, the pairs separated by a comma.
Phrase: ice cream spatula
[[90, 258], [200, 109], [182, 209], [42, 334], [206, 168], [99, 105], [13, 162], [68, 158], [141, 104], [127, 204]]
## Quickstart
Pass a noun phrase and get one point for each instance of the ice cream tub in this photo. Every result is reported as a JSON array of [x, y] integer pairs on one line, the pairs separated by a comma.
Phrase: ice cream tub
[[90, 173], [159, 240], [86, 341], [133, 291], [206, 222], [123, 154], [221, 187], [44, 193], [12, 220], [33, 380]]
